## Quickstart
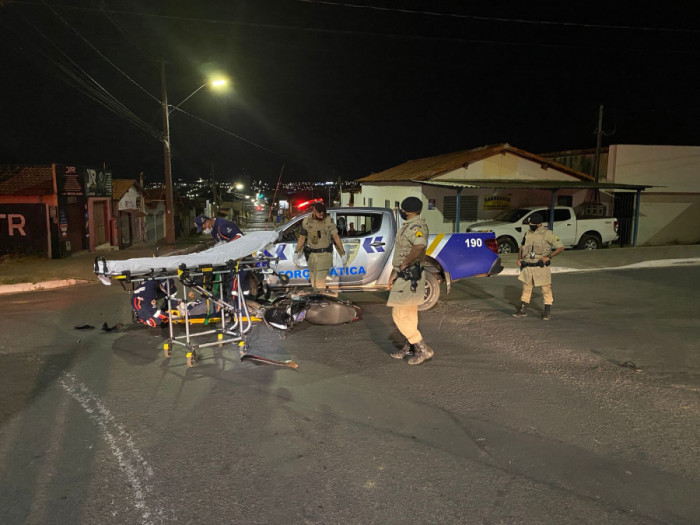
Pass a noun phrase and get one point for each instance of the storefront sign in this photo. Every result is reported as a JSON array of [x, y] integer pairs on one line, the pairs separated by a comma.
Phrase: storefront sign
[[23, 229], [497, 202], [98, 183]]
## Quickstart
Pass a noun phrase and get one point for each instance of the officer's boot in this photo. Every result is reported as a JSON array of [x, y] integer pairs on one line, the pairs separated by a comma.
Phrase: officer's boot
[[422, 353], [547, 314], [405, 351], [522, 311]]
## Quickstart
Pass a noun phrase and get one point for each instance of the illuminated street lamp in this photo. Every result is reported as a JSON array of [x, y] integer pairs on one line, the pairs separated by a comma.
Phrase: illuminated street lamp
[[215, 84], [169, 209], [239, 186]]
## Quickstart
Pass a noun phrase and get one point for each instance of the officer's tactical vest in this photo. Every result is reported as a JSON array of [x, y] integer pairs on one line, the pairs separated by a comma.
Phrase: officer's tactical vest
[[318, 232], [535, 243]]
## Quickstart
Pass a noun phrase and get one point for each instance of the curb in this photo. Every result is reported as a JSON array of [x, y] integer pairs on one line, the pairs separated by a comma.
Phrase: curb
[[6, 289], [659, 263], [35, 287]]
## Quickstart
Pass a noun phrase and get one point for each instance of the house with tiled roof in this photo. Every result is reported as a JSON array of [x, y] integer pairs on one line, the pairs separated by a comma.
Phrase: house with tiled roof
[[54, 210], [481, 182], [28, 182], [652, 190], [128, 208]]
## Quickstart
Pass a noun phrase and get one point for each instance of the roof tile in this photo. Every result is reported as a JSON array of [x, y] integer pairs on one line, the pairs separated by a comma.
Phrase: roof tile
[[26, 180], [431, 167]]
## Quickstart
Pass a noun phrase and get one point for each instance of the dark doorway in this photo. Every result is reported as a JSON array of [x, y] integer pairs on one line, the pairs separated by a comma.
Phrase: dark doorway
[[623, 210], [565, 200]]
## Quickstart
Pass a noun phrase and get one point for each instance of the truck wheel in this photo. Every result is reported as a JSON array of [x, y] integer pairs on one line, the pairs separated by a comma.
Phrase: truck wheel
[[506, 245], [589, 242], [432, 291]]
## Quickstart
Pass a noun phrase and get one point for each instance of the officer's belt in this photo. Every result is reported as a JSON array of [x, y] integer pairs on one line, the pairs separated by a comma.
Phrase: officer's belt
[[321, 250], [539, 263]]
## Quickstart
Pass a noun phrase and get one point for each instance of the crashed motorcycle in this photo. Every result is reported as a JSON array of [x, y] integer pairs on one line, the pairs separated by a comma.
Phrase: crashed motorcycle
[[288, 310]]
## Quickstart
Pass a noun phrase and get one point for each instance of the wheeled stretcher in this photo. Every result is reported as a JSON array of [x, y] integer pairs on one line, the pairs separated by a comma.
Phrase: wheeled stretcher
[[216, 274]]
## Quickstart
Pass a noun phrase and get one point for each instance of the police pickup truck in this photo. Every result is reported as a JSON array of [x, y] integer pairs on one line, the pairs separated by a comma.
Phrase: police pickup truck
[[368, 236], [582, 233]]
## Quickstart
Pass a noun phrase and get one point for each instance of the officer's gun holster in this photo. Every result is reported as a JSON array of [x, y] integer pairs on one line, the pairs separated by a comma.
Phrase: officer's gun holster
[[412, 273]]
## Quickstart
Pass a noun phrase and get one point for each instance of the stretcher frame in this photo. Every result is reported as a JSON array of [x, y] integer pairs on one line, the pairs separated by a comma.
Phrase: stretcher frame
[[233, 331]]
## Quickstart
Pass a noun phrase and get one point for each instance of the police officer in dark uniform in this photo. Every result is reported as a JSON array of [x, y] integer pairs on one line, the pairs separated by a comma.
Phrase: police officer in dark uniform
[[407, 289], [319, 234], [144, 302], [221, 230]]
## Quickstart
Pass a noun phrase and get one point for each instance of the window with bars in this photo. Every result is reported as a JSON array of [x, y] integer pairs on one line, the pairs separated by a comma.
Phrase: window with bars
[[468, 207]]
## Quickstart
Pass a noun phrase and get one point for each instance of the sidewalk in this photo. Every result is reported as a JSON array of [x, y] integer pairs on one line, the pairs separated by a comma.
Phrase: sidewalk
[[28, 273], [23, 274], [615, 258]]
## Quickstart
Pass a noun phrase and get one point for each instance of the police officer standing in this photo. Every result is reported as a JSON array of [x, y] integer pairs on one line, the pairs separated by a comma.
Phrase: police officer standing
[[539, 246], [221, 230], [319, 234], [407, 281]]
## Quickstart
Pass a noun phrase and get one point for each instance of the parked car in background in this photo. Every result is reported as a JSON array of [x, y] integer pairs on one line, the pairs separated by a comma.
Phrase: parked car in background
[[574, 232]]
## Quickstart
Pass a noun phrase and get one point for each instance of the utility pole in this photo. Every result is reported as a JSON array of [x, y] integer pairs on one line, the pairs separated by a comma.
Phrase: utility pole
[[599, 133], [142, 220], [214, 190], [169, 215]]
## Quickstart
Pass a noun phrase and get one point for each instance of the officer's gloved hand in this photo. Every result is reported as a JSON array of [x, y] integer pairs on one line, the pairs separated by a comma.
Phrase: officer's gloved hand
[[297, 258], [344, 259]]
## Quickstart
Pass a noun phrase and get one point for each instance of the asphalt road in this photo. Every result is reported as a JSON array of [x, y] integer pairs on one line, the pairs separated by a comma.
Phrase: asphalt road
[[592, 417]]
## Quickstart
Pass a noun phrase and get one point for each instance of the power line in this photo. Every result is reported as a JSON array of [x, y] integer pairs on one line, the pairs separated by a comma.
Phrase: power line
[[88, 43], [415, 37], [227, 132], [74, 75], [499, 19]]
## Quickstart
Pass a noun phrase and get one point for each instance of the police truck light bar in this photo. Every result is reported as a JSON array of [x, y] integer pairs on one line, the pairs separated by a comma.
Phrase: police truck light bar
[[304, 204]]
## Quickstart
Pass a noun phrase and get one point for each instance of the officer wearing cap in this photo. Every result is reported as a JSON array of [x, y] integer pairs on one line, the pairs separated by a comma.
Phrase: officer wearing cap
[[221, 230], [538, 248], [406, 294], [319, 234]]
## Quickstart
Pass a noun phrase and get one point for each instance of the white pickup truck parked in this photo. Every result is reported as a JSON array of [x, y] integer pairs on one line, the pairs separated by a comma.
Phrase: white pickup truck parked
[[584, 234]]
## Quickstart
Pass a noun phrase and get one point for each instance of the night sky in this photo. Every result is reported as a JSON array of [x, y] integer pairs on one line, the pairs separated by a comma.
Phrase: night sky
[[329, 89]]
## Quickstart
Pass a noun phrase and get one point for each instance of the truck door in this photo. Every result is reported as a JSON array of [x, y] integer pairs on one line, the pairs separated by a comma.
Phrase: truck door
[[368, 238], [284, 250], [565, 226]]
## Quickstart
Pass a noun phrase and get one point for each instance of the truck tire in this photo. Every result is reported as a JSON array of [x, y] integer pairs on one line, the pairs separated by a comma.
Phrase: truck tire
[[589, 242], [432, 291], [506, 245]]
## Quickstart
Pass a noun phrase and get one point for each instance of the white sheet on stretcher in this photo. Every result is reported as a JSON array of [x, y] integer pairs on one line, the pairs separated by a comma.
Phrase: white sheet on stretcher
[[218, 255]]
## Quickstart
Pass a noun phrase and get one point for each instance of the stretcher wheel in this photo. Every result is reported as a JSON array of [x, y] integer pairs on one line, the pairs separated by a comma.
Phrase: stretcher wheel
[[191, 358], [167, 350]]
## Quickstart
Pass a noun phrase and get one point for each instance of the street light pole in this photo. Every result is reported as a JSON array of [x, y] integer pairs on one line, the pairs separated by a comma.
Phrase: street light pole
[[169, 211], [169, 208]]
